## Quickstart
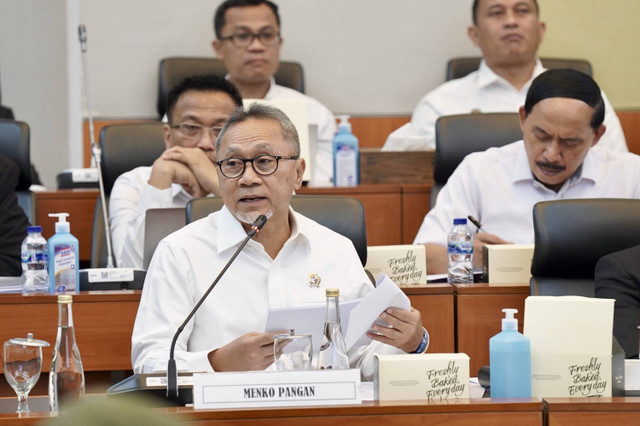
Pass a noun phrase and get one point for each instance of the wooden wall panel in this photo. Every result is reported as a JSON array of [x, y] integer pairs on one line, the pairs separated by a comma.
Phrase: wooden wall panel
[[630, 121]]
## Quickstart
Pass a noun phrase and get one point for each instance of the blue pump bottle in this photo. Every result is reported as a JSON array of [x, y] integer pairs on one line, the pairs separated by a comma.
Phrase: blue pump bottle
[[346, 156], [63, 258], [510, 360]]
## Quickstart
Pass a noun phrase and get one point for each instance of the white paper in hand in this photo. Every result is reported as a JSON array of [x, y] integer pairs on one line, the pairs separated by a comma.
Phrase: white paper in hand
[[386, 295]]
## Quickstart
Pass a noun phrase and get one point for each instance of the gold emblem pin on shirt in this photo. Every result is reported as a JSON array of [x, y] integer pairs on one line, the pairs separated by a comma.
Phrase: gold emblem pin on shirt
[[314, 280]]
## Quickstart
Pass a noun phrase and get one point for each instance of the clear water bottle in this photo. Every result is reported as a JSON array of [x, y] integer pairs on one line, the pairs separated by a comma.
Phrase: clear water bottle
[[460, 253], [333, 352], [35, 278], [66, 376]]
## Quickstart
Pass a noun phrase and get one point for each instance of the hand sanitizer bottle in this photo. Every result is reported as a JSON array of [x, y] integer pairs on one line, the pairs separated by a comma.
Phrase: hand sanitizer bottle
[[63, 257], [346, 157], [510, 360]]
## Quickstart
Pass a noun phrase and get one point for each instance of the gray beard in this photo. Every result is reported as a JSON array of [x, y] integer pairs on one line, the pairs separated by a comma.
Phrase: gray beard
[[249, 218]]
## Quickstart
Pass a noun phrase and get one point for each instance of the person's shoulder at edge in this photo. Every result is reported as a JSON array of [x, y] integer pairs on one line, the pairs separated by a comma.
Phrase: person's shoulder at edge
[[139, 176], [605, 154], [314, 229]]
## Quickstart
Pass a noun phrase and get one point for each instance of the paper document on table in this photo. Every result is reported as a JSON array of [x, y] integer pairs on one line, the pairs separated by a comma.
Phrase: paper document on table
[[356, 316], [387, 294]]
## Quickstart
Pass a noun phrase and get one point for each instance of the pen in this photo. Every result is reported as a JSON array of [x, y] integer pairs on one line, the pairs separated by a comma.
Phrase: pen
[[476, 222]]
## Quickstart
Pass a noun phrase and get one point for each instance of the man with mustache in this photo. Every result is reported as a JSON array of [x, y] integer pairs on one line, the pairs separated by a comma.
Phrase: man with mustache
[[562, 120], [509, 33]]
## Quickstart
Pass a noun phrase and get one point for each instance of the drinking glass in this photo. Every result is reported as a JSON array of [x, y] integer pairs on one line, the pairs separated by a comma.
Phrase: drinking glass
[[293, 351], [22, 366]]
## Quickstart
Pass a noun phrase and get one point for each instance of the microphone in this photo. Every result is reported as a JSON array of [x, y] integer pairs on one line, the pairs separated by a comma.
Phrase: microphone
[[108, 278], [172, 372]]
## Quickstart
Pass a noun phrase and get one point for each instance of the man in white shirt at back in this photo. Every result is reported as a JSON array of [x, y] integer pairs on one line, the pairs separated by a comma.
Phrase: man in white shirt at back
[[197, 108], [509, 33], [248, 41], [557, 159]]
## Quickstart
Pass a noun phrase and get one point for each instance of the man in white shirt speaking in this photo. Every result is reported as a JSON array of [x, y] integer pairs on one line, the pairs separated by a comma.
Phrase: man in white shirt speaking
[[509, 33], [196, 110], [561, 121], [259, 167], [248, 41]]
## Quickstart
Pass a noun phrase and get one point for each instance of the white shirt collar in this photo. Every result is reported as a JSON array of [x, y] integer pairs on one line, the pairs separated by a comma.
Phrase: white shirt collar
[[271, 93], [231, 233], [486, 76], [522, 170]]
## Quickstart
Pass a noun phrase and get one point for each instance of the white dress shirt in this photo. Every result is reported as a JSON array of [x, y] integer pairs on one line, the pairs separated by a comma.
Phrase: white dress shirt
[[130, 199], [187, 261], [498, 188], [480, 91], [319, 115]]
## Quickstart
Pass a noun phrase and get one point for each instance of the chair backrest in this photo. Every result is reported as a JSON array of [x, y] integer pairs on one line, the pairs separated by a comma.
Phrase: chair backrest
[[173, 70], [460, 135], [15, 145], [158, 223], [343, 215], [460, 67], [127, 146], [124, 147], [572, 235]]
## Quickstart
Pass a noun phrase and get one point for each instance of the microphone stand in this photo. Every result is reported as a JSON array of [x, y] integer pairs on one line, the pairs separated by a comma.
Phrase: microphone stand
[[96, 151], [172, 372]]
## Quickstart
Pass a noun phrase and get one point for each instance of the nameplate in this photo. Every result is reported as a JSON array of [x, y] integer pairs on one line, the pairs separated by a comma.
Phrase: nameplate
[[104, 275], [161, 381], [276, 388], [406, 265], [84, 175], [426, 376]]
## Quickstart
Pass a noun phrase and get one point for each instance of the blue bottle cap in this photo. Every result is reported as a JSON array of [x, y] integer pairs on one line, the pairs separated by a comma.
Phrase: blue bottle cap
[[460, 221], [35, 228]]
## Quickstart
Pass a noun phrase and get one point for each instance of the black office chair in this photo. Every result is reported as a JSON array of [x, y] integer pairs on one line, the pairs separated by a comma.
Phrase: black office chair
[[572, 235], [460, 135], [173, 70], [460, 67], [15, 144], [343, 215], [124, 147]]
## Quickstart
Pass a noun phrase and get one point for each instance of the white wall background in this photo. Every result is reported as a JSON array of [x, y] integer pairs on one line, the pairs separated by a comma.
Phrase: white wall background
[[363, 57]]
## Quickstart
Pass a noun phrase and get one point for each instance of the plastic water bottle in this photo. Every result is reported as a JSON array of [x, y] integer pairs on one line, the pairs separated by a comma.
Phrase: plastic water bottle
[[35, 277], [460, 253], [510, 360]]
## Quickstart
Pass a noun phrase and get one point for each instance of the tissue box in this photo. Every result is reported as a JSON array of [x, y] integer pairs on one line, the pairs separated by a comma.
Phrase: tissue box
[[573, 353], [406, 265], [507, 263], [426, 376]]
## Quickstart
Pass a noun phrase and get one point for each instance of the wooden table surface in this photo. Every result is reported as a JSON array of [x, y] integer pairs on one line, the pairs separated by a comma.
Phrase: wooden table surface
[[465, 412]]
